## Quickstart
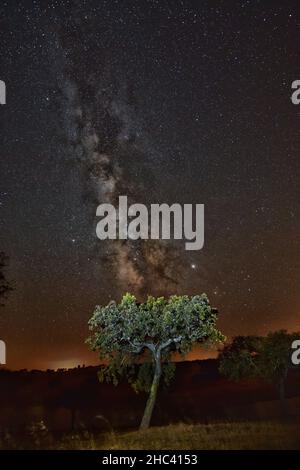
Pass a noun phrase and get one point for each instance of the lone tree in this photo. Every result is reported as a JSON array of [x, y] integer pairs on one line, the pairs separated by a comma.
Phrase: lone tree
[[267, 357], [136, 340], [5, 286]]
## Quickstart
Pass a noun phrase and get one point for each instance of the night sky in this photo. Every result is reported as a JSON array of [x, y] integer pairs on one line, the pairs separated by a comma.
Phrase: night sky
[[162, 101]]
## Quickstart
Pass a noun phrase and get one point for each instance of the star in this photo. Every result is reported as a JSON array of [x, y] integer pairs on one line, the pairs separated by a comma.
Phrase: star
[[108, 107]]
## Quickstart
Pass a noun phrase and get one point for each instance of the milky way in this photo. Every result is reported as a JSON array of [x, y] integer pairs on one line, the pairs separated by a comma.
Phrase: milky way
[[104, 133]]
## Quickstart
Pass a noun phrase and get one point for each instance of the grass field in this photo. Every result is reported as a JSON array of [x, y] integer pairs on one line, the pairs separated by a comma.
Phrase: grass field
[[223, 436], [265, 435]]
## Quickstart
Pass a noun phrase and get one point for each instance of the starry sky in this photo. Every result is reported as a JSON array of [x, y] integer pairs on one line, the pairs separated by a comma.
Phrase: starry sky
[[162, 101]]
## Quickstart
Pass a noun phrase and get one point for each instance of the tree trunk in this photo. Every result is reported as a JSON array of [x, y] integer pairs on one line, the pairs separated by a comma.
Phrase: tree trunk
[[153, 393], [283, 407]]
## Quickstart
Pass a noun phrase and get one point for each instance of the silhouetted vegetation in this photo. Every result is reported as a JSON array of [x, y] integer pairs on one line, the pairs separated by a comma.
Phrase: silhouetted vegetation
[[267, 357]]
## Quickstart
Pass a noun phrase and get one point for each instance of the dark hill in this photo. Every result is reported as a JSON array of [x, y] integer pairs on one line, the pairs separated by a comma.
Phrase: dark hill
[[74, 398]]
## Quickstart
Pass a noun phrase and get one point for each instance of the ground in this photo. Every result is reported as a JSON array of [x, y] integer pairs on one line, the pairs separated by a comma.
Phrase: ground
[[264, 435], [223, 436]]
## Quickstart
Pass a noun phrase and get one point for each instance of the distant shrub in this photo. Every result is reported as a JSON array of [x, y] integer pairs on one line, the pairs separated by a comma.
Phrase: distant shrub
[[38, 434]]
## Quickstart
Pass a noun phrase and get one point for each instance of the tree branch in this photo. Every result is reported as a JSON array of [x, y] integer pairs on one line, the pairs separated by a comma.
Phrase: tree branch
[[170, 341], [137, 348]]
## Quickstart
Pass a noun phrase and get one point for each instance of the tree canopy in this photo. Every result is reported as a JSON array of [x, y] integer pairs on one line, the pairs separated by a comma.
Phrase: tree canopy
[[266, 357], [132, 333]]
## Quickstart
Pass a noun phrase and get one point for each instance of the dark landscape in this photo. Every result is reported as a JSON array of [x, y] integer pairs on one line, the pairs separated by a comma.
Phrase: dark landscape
[[74, 400]]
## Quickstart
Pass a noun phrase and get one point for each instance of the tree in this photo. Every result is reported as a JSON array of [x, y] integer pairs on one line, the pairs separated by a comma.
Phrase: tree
[[5, 286], [127, 335], [267, 357]]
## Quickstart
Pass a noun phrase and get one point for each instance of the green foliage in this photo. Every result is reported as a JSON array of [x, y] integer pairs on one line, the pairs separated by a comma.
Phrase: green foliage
[[238, 359], [265, 357], [129, 336], [143, 380], [138, 375], [276, 355]]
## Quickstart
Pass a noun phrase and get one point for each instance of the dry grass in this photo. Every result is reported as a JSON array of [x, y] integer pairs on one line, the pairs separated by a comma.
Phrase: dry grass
[[258, 435], [221, 436]]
